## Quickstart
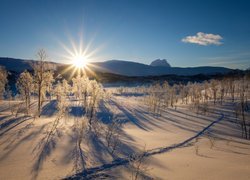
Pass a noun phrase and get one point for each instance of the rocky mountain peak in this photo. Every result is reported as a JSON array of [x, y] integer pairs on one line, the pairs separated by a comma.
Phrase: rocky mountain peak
[[160, 62]]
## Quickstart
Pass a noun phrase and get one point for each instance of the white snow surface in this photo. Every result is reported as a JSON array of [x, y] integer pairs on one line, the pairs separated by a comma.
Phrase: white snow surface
[[28, 149]]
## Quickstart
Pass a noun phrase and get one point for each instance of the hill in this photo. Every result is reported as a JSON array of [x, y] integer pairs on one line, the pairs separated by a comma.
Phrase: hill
[[129, 68], [119, 67], [19, 65]]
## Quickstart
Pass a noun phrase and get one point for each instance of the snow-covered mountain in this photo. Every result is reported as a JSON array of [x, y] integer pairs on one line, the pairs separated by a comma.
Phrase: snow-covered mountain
[[126, 68]]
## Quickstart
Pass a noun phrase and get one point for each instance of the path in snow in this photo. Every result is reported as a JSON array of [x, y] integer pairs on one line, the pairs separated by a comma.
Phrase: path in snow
[[123, 161]]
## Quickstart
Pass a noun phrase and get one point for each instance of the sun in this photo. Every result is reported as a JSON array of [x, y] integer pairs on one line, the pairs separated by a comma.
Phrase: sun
[[80, 56], [79, 61]]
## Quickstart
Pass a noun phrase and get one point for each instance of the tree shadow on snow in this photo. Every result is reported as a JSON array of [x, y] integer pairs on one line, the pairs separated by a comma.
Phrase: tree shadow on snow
[[76, 111], [139, 117], [12, 123], [44, 149], [14, 144], [129, 94], [49, 109], [104, 115]]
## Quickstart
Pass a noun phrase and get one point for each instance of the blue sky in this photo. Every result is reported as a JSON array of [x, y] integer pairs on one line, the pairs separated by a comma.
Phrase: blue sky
[[186, 33]]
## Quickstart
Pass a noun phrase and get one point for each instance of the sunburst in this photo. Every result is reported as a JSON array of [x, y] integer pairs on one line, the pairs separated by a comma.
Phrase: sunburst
[[79, 57], [79, 61]]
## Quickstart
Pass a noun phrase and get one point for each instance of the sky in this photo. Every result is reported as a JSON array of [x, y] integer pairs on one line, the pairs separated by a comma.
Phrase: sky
[[186, 33]]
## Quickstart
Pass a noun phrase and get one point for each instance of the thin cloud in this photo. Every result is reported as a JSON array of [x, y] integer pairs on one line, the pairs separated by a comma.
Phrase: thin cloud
[[203, 39]]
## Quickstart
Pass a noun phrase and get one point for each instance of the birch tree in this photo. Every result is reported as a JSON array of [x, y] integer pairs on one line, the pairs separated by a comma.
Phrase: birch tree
[[25, 86], [214, 88], [96, 94], [43, 77]]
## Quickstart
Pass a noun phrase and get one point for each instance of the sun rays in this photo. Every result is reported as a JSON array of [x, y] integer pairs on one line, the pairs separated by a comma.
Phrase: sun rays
[[79, 56]]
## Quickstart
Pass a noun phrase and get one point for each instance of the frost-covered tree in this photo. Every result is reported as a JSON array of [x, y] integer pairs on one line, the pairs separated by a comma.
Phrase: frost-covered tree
[[66, 87], [60, 94], [166, 96], [43, 77], [206, 91], [96, 94], [25, 86], [243, 105], [90, 92], [197, 97], [231, 87], [184, 94], [80, 88], [155, 96], [222, 90], [3, 81], [214, 89]]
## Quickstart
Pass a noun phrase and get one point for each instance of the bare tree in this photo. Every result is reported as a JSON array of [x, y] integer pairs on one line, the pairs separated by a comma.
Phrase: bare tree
[[43, 77]]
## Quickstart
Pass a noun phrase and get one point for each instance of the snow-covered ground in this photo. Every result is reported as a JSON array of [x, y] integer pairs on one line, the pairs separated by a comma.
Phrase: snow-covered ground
[[39, 148]]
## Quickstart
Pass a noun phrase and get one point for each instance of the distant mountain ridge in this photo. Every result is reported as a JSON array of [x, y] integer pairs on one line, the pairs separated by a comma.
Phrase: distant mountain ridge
[[129, 68], [121, 67], [18, 65]]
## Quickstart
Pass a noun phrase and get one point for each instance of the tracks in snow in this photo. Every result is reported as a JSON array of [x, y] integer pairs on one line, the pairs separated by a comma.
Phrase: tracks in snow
[[78, 153], [123, 161]]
